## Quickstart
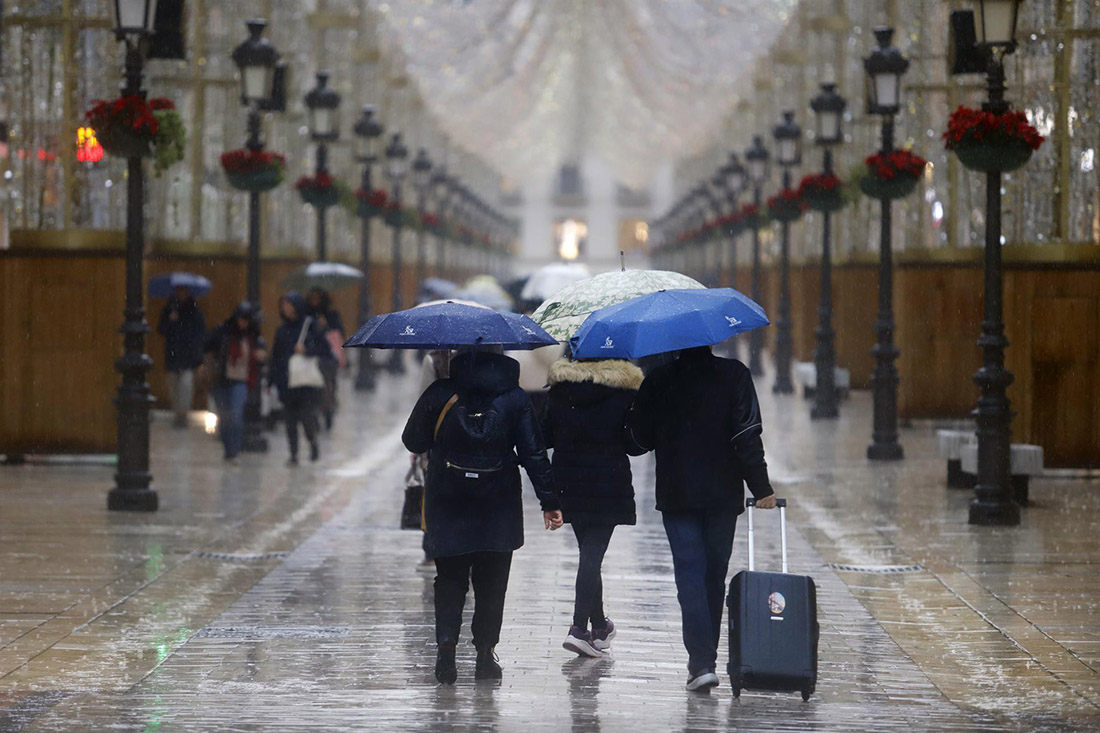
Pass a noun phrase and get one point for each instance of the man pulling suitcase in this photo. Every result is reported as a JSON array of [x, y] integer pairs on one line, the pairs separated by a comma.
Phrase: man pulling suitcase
[[701, 416]]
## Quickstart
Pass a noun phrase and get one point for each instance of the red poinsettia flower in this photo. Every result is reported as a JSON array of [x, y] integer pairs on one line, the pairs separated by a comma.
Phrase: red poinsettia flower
[[375, 197], [319, 181], [896, 164], [245, 161], [818, 184], [968, 126]]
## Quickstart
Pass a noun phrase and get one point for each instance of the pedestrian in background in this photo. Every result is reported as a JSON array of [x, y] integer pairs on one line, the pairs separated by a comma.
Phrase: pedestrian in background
[[183, 327], [298, 334], [584, 423], [701, 416], [319, 306], [478, 427], [237, 353]]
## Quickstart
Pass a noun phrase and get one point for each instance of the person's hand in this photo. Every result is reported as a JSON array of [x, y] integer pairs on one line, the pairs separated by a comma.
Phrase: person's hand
[[299, 348], [768, 502], [552, 519]]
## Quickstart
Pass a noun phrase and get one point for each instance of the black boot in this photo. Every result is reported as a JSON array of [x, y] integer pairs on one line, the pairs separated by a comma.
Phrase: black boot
[[487, 667], [445, 670]]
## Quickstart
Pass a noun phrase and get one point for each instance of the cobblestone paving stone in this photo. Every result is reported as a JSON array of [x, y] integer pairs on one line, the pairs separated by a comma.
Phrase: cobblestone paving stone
[[319, 616]]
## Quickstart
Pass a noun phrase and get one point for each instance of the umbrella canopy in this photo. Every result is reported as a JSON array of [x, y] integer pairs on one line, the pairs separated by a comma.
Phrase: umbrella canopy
[[484, 289], [162, 286], [562, 314], [437, 287], [548, 280], [324, 275], [449, 325], [668, 320]]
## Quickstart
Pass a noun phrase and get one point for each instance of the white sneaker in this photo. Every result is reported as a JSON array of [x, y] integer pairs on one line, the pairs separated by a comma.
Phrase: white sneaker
[[580, 641], [702, 682]]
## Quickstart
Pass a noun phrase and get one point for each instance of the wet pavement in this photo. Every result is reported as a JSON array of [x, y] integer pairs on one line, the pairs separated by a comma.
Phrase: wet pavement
[[264, 597]]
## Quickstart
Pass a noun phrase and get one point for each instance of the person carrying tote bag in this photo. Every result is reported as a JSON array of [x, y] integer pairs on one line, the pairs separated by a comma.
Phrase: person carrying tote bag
[[295, 371]]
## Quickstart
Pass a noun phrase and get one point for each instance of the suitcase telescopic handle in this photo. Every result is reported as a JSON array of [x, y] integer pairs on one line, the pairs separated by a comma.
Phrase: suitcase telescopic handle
[[782, 504]]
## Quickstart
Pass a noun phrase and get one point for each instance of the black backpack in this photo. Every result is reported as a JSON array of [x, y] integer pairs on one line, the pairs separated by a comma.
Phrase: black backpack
[[473, 443]]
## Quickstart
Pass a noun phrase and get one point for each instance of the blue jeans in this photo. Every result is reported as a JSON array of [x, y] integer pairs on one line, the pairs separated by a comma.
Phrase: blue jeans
[[701, 543], [230, 398]]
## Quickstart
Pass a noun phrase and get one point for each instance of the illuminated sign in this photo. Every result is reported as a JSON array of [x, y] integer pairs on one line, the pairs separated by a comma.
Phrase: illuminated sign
[[88, 149]]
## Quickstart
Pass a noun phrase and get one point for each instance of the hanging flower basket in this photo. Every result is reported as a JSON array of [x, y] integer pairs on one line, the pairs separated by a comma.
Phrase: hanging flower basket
[[410, 218], [370, 203], [989, 142], [822, 192], [319, 190], [786, 206], [134, 127], [430, 222], [752, 217], [392, 214], [891, 176], [253, 170]]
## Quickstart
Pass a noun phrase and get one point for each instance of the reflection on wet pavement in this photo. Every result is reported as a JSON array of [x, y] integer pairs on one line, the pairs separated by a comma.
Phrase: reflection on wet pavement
[[262, 597]]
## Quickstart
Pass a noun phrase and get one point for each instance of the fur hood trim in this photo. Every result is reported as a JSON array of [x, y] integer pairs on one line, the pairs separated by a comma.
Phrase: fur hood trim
[[614, 373]]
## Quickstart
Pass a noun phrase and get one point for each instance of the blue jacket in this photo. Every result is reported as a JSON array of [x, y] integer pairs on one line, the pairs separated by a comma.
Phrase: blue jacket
[[286, 337]]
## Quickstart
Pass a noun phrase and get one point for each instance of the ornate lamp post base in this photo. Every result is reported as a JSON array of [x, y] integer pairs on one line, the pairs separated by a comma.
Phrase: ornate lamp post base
[[885, 452], [138, 500]]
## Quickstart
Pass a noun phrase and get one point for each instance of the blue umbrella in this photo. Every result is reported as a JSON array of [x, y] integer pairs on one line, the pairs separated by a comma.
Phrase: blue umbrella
[[450, 326], [668, 320], [162, 286]]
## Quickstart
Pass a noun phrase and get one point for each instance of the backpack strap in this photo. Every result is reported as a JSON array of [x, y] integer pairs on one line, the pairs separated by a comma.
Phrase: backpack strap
[[443, 413]]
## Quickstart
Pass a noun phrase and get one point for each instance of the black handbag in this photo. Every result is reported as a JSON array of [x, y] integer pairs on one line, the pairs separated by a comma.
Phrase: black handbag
[[412, 512]]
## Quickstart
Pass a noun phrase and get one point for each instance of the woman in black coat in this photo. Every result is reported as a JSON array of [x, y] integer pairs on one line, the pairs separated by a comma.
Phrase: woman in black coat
[[478, 428], [184, 329], [584, 424], [300, 404]]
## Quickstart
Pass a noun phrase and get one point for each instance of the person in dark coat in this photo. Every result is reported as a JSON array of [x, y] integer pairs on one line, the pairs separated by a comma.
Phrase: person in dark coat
[[584, 423], [701, 416], [183, 327], [238, 355], [300, 404], [319, 305], [479, 427]]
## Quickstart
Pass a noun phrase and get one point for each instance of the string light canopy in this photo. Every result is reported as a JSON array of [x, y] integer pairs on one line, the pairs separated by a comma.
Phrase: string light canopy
[[529, 84]]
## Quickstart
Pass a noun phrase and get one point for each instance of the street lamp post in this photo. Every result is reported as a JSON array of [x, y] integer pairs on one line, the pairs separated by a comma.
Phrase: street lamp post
[[133, 25], [367, 131], [885, 67], [757, 157], [993, 501], [256, 59], [829, 109], [322, 104], [736, 182], [441, 183], [396, 167], [422, 182], [788, 141]]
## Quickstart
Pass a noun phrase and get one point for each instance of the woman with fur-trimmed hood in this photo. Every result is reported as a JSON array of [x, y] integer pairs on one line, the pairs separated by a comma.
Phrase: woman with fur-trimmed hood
[[584, 423]]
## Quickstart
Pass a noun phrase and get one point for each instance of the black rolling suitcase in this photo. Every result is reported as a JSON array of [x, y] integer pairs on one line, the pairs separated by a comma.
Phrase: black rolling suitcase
[[773, 625]]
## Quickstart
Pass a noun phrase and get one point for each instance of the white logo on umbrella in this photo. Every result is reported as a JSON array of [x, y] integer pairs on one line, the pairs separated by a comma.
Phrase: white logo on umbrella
[[733, 321], [608, 343], [528, 331], [409, 331]]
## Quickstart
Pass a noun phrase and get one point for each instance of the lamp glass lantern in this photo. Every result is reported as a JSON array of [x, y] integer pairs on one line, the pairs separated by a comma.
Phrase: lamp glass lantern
[[422, 171], [367, 131], [323, 103], [885, 67], [397, 159], [736, 177], [256, 59], [828, 107], [788, 141], [757, 157], [134, 17], [995, 24]]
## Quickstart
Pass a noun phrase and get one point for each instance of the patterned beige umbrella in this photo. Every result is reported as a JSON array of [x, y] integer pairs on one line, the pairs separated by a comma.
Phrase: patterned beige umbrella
[[562, 314]]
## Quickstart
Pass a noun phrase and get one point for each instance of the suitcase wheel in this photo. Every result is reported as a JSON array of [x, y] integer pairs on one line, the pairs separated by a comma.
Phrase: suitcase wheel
[[736, 692], [805, 694]]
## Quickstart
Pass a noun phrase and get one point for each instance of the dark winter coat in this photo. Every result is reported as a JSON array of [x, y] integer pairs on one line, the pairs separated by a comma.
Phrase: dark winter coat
[[286, 338], [183, 338], [226, 339], [701, 416], [585, 424], [324, 310], [463, 516]]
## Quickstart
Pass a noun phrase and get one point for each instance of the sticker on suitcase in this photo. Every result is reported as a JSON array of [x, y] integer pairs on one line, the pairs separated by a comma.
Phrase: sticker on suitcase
[[776, 603]]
